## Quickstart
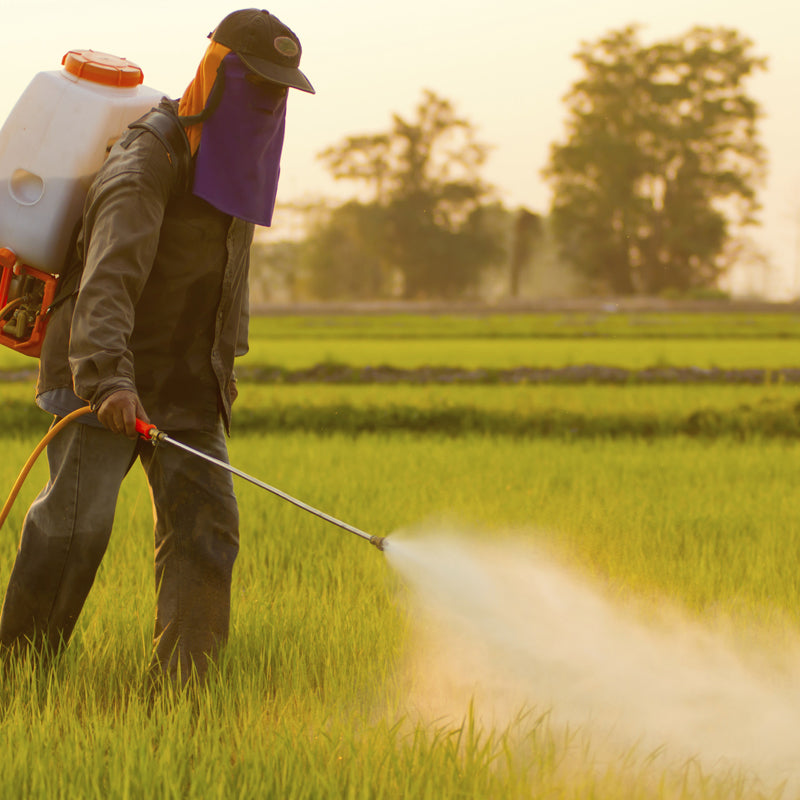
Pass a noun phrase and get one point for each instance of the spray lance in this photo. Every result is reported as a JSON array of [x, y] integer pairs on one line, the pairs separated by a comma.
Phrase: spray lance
[[152, 434]]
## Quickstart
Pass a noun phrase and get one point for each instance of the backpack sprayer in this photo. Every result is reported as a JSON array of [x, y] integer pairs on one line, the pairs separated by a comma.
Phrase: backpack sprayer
[[51, 146]]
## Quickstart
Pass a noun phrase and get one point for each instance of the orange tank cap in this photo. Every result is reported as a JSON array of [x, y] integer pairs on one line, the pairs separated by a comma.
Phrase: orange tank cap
[[102, 68]]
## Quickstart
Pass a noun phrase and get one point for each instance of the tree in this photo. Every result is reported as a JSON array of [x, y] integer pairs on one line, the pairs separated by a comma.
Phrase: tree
[[527, 231], [423, 175], [342, 254], [662, 159]]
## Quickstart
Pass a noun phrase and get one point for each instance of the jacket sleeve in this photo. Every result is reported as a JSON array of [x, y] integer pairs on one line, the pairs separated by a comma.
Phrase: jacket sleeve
[[122, 223], [243, 331]]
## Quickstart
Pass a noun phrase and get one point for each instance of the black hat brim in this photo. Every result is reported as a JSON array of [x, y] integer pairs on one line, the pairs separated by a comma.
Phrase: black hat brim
[[285, 76]]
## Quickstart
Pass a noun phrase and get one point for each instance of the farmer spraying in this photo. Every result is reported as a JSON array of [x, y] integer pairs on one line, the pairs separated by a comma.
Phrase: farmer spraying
[[146, 324]]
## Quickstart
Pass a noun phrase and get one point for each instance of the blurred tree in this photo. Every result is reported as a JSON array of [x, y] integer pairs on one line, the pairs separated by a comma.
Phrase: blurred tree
[[662, 159], [342, 254], [274, 267], [527, 231], [425, 198]]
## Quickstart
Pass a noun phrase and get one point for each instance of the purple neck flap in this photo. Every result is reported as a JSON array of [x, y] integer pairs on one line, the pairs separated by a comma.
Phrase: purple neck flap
[[238, 161]]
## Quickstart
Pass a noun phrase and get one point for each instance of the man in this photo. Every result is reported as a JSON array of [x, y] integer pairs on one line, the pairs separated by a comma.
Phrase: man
[[152, 333]]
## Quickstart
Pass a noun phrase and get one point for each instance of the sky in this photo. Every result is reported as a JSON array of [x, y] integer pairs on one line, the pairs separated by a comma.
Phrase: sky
[[505, 66]]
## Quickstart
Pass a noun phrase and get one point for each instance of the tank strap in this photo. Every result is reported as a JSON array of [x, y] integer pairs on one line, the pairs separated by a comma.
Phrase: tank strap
[[169, 131], [70, 275]]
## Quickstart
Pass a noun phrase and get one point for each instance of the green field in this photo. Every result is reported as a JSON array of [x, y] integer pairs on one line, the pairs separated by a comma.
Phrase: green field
[[600, 323], [339, 680], [499, 353], [547, 340]]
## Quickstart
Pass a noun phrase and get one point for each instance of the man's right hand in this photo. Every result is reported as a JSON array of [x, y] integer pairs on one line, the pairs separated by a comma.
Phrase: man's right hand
[[118, 412]]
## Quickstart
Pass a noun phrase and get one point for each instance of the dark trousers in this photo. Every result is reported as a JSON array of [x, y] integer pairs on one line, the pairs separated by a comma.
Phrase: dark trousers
[[67, 529]]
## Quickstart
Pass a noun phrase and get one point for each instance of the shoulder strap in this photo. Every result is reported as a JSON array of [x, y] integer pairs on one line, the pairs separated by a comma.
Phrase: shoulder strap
[[70, 275], [168, 130]]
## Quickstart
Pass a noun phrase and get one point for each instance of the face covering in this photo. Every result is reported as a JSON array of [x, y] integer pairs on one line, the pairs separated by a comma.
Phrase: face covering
[[238, 160]]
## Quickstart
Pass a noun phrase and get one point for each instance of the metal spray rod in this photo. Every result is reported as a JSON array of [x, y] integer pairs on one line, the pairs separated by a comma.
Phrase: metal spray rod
[[152, 434]]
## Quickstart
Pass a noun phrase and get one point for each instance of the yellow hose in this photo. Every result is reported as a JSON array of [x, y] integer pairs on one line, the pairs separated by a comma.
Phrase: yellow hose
[[10, 306], [57, 428]]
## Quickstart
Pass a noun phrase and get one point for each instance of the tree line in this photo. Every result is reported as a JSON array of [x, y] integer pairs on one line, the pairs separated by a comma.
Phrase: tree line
[[654, 185]]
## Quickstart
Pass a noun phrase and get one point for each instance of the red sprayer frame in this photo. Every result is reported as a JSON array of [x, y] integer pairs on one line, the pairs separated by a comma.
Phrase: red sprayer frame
[[31, 343]]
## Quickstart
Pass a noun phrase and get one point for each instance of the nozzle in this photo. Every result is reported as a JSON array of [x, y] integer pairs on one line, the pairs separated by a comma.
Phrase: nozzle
[[148, 432], [378, 541]]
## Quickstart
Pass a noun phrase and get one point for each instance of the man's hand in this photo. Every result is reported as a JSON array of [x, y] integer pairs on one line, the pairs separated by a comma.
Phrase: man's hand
[[118, 412]]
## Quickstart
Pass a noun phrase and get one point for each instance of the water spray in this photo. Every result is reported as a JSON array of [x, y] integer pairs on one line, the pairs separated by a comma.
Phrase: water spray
[[152, 434]]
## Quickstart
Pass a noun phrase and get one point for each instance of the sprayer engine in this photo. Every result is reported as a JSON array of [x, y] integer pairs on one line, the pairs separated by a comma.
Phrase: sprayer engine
[[25, 297]]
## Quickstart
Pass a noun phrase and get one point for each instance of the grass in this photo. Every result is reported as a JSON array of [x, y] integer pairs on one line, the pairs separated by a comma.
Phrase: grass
[[470, 353], [677, 398], [308, 700], [726, 339], [765, 353], [609, 324], [314, 695], [650, 411]]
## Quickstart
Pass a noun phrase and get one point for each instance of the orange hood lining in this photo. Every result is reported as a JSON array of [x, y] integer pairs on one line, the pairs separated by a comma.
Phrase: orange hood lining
[[195, 97]]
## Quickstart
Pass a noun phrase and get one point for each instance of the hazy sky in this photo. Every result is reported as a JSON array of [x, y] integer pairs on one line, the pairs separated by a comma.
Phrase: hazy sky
[[505, 65]]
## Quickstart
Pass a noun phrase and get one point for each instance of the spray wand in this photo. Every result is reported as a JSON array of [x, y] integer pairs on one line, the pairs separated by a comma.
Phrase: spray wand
[[152, 434]]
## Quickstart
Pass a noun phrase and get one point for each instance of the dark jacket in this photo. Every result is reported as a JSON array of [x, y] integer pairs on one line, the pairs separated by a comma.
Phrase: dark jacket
[[162, 306]]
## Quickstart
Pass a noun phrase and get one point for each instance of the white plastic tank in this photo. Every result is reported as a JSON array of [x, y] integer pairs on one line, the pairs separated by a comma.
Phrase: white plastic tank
[[52, 145]]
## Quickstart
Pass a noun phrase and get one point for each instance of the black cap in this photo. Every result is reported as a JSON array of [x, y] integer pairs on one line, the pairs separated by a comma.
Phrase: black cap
[[265, 45]]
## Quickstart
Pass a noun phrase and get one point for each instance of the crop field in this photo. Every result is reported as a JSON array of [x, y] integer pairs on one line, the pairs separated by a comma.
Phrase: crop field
[[590, 588]]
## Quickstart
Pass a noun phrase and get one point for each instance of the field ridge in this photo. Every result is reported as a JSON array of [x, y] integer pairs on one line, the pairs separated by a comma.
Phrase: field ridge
[[571, 374], [779, 419], [331, 372]]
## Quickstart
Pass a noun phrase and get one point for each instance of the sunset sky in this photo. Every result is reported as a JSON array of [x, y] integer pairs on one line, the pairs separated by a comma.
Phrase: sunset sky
[[505, 65]]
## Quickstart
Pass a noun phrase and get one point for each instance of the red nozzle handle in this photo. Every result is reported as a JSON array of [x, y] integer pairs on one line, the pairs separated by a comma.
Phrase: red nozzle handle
[[146, 430]]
